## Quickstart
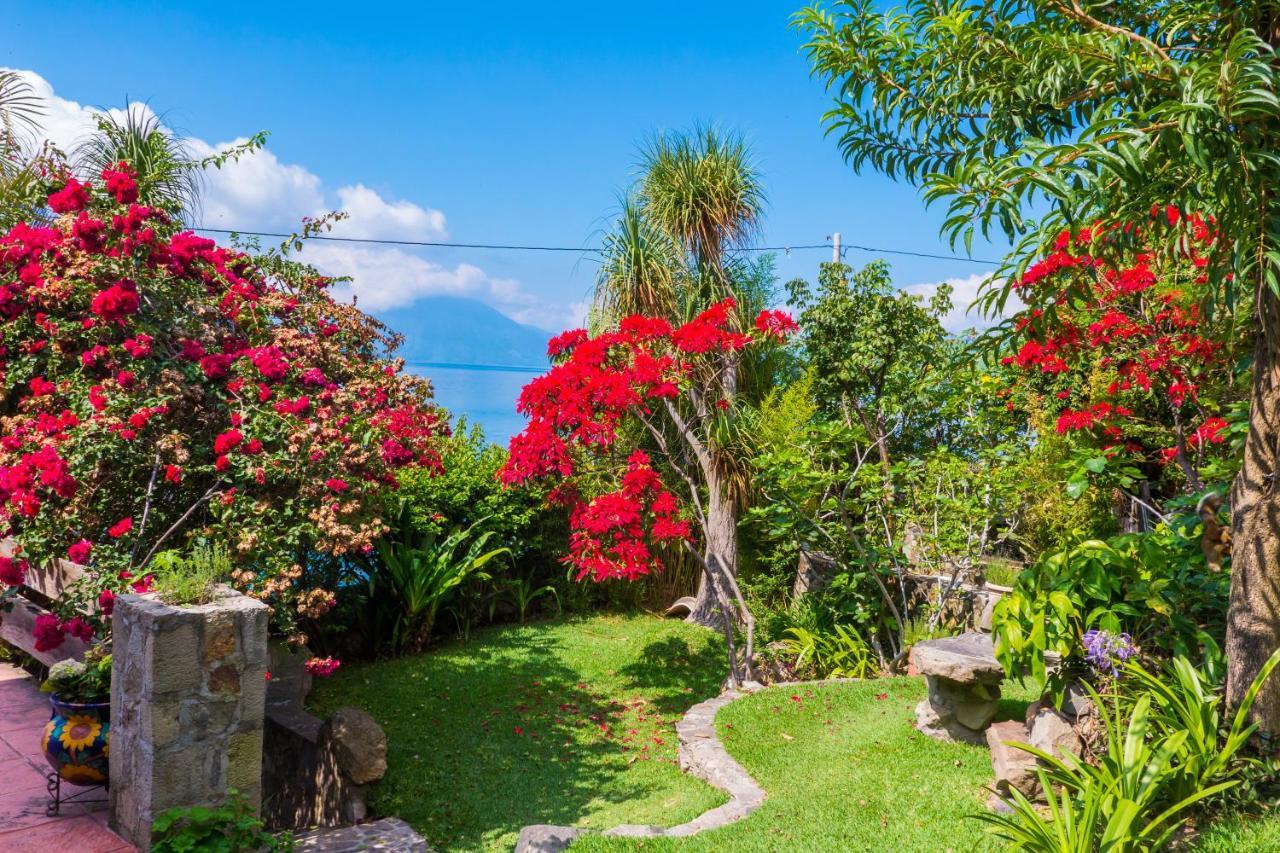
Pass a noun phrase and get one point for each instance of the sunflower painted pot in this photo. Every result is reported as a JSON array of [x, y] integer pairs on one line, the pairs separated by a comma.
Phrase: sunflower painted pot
[[77, 741]]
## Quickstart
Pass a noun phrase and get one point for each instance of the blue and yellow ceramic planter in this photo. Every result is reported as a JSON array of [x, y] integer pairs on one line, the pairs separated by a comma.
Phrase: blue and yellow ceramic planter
[[77, 741]]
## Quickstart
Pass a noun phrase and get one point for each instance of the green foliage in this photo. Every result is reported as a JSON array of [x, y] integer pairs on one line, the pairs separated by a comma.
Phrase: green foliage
[[1171, 756], [229, 828], [839, 654], [1154, 586], [189, 579], [1027, 117], [892, 441], [468, 490], [81, 682], [1188, 699], [522, 593], [873, 349], [670, 254], [417, 572]]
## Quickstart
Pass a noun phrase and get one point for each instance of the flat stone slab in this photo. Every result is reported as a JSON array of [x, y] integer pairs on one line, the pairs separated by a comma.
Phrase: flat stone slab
[[965, 659], [546, 838], [389, 834]]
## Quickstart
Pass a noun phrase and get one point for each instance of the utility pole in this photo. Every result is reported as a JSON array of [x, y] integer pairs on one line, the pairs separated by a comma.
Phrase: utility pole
[[835, 247]]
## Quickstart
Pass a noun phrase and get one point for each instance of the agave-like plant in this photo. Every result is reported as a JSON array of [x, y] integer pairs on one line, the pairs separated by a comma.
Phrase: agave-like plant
[[1168, 758], [419, 572], [168, 175]]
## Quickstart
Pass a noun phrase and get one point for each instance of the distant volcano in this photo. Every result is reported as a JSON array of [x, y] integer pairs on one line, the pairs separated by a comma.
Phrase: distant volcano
[[454, 330]]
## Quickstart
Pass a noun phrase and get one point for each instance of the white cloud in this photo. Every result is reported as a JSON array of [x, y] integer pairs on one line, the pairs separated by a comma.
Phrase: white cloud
[[259, 191], [963, 314]]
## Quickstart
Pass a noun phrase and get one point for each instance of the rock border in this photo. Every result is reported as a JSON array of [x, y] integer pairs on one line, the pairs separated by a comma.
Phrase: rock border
[[700, 754]]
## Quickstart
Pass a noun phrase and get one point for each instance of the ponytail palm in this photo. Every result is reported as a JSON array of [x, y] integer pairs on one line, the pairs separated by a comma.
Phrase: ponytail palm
[[167, 175], [20, 112]]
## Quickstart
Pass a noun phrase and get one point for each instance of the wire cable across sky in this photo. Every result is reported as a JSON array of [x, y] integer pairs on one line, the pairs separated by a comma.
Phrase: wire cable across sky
[[879, 250]]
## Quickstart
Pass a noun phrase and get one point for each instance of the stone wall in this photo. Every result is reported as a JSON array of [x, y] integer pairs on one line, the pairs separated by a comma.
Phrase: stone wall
[[315, 772], [187, 706]]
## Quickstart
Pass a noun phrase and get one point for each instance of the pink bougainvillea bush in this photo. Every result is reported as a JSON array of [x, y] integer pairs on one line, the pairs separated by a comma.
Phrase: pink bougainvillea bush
[[156, 387]]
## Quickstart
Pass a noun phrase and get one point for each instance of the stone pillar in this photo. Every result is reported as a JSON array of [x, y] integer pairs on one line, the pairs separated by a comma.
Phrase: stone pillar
[[188, 694]]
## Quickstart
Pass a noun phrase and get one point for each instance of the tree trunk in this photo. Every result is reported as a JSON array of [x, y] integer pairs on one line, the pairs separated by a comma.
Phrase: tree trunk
[[1253, 618], [721, 542]]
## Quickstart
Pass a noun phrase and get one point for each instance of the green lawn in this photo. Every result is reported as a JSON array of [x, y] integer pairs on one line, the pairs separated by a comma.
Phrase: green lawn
[[572, 722], [569, 722], [845, 770]]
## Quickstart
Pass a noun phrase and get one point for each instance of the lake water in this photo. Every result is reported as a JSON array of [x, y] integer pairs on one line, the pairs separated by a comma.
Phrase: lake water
[[485, 394]]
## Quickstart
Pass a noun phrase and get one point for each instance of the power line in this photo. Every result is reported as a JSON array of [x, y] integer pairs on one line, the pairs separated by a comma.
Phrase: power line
[[879, 250]]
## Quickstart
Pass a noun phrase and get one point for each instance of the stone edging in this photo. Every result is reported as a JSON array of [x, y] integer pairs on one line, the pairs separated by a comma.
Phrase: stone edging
[[701, 754]]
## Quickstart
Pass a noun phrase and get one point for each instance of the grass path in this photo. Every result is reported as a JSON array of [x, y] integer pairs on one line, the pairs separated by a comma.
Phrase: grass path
[[568, 722]]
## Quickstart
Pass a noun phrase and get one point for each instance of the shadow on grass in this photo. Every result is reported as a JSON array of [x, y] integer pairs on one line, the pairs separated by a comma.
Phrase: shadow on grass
[[677, 665], [536, 724]]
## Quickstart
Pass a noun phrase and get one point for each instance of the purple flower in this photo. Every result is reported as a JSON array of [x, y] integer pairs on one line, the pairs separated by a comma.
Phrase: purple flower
[[1103, 650]]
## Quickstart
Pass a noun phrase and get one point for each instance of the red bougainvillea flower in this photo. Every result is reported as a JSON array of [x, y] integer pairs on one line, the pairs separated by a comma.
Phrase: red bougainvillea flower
[[48, 632], [337, 485], [107, 602], [116, 302], [323, 667], [119, 182], [79, 628], [73, 196], [12, 572], [227, 441], [231, 360], [80, 552]]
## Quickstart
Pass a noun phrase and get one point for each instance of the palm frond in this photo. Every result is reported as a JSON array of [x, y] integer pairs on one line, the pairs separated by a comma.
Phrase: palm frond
[[168, 176]]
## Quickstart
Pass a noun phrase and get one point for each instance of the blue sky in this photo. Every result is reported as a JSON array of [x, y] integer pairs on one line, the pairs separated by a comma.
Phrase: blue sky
[[507, 123]]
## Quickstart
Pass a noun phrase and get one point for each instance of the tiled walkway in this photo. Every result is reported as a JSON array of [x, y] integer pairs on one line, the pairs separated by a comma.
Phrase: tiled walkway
[[23, 824]]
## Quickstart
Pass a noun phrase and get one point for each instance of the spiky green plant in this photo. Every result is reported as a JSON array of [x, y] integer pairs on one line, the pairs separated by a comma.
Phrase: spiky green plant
[[168, 175]]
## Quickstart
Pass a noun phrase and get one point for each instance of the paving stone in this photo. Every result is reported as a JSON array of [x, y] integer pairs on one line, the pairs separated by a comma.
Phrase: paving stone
[[545, 838], [389, 834]]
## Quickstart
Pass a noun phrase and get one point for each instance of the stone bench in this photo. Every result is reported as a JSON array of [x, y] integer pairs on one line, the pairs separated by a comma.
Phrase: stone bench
[[964, 687]]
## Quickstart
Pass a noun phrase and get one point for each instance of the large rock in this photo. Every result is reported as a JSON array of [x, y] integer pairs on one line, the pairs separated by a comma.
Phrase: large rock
[[967, 658], [1053, 733], [1014, 768], [359, 742]]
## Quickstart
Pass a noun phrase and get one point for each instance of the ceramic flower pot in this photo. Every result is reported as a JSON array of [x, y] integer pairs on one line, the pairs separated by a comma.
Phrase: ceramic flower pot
[[76, 741]]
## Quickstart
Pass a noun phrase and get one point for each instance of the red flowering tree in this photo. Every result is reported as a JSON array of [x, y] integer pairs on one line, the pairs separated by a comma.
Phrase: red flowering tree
[[156, 388], [675, 386], [1122, 358]]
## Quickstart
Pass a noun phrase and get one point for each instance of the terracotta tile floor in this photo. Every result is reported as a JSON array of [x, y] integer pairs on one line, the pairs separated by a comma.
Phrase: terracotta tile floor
[[23, 824]]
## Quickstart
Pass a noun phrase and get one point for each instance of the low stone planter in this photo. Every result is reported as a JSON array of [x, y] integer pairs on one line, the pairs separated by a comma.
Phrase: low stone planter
[[187, 706]]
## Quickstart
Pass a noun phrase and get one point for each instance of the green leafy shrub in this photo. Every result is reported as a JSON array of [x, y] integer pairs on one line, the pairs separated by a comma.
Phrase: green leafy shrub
[[230, 828], [1153, 586], [840, 653], [415, 573]]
